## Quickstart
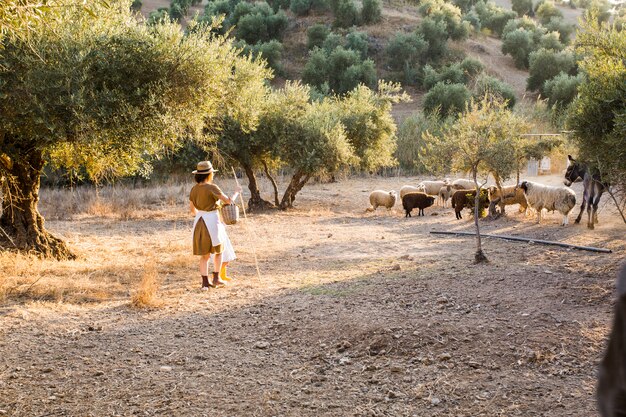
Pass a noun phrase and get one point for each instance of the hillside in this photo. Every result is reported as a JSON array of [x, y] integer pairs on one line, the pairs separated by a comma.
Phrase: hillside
[[396, 17]]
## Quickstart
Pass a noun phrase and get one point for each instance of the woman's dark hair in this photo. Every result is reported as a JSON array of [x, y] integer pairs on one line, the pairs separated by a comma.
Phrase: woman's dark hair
[[201, 177]]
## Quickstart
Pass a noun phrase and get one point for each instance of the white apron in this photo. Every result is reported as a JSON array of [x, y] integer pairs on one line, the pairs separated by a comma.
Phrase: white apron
[[214, 225]]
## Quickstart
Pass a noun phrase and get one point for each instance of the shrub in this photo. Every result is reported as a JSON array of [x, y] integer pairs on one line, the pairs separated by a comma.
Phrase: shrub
[[346, 14], [519, 44], [300, 7], [449, 14], [564, 29], [527, 24], [371, 12], [547, 11], [280, 4], [155, 16], [551, 41], [358, 41], [316, 35], [136, 5], [522, 7], [487, 84], [493, 17], [319, 5], [411, 142], [404, 50], [471, 67], [362, 73], [448, 99], [452, 74], [176, 12], [435, 34], [472, 18], [261, 25], [545, 64], [333, 40], [315, 71], [271, 51], [562, 89]]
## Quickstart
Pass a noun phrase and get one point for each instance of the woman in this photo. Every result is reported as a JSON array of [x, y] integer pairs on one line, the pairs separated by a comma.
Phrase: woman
[[209, 233]]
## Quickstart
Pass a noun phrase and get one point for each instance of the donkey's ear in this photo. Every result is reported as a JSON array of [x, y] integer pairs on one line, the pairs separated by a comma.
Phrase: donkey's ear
[[569, 157], [621, 281]]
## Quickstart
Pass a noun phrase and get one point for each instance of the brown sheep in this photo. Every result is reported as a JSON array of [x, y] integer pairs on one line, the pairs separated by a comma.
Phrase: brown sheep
[[460, 200], [611, 390], [512, 195], [416, 200]]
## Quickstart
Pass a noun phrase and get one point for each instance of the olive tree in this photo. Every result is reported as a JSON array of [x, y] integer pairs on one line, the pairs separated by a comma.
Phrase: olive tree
[[480, 142], [102, 90], [598, 113]]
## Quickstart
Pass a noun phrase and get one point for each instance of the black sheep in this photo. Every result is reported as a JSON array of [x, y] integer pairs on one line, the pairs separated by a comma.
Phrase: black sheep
[[416, 200], [611, 392]]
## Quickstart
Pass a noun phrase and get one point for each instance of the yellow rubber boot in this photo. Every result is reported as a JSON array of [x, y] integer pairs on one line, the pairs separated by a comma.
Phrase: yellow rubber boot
[[223, 275]]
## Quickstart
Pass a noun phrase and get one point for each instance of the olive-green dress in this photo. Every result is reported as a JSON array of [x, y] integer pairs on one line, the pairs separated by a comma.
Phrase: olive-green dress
[[204, 197]]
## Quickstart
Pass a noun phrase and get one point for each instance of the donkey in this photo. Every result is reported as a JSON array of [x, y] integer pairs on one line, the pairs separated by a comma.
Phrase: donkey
[[593, 187], [611, 389]]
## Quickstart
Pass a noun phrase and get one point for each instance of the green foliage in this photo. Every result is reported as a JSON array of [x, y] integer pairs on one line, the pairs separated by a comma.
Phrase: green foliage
[[136, 5], [446, 99], [519, 44], [132, 90], [371, 12], [473, 19], [449, 14], [564, 29], [493, 17], [598, 114], [487, 85], [522, 7], [346, 14], [551, 41], [434, 32], [341, 70], [483, 202], [316, 35], [261, 24], [271, 52], [358, 41], [411, 140], [405, 50], [332, 41], [162, 14], [562, 89], [320, 5], [600, 10], [451, 74], [471, 67], [545, 64], [546, 11], [300, 7]]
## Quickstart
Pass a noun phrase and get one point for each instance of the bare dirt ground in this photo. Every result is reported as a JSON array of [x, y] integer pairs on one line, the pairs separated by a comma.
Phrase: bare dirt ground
[[355, 314]]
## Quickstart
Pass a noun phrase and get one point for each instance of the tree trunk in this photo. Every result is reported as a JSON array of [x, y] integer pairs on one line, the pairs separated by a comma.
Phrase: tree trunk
[[297, 182], [255, 202], [273, 181], [479, 256], [21, 219]]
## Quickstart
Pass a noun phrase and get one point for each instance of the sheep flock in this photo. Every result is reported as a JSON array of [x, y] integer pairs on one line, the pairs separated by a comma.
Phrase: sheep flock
[[528, 195]]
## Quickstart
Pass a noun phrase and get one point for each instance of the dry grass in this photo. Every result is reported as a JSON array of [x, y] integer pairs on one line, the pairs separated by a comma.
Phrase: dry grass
[[146, 296]]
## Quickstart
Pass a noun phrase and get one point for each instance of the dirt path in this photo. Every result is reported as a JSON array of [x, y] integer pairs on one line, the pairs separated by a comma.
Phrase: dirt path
[[356, 314]]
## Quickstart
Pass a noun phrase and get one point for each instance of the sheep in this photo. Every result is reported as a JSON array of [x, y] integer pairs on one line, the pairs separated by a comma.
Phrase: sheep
[[540, 196], [416, 200], [407, 189], [430, 187], [463, 184], [445, 193], [511, 194], [382, 198], [460, 200], [611, 389]]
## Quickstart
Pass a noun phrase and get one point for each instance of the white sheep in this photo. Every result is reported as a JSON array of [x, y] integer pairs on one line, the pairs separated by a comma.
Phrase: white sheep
[[430, 187], [407, 189], [382, 198], [463, 184], [540, 196]]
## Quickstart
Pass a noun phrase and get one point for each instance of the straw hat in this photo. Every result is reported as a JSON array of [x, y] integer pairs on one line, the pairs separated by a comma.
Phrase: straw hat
[[204, 167]]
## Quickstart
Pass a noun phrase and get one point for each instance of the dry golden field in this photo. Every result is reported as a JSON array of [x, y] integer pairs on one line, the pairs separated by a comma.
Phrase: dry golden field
[[355, 313]]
